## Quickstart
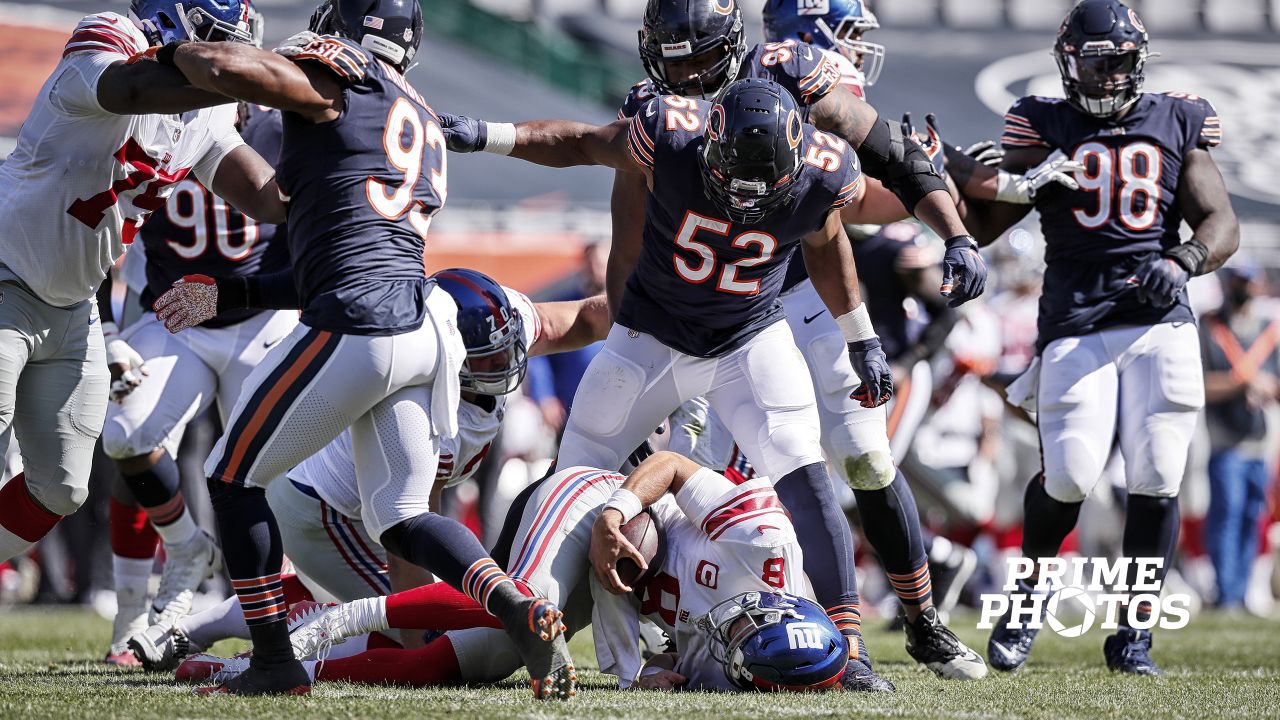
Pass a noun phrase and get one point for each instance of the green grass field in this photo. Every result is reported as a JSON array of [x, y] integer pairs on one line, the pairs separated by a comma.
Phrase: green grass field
[[1217, 667]]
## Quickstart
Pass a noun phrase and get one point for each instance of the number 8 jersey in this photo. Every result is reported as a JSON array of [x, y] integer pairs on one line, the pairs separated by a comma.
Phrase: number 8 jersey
[[1126, 207]]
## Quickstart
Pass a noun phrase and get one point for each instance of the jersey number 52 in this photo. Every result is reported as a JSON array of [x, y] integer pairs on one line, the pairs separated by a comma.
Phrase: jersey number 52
[[405, 139]]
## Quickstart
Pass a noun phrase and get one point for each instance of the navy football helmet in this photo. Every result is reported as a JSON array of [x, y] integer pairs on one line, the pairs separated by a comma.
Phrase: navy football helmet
[[751, 149], [1101, 50], [776, 641], [390, 29], [492, 330], [692, 47], [831, 25], [164, 21]]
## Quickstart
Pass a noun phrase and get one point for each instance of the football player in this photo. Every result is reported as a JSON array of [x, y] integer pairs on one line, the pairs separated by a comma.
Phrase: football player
[[318, 504], [711, 552], [736, 186], [363, 163], [104, 145], [1118, 353]]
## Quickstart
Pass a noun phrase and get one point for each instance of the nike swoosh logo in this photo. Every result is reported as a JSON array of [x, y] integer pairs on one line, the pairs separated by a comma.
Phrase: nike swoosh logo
[[811, 318], [272, 343], [1005, 652]]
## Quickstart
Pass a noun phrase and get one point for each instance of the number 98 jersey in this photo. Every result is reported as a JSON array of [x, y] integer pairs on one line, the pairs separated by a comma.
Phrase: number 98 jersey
[[1126, 207], [197, 232], [704, 285]]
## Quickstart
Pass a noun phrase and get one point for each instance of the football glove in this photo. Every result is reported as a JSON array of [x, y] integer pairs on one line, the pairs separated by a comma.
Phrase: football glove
[[190, 301], [1159, 280], [463, 134], [931, 143], [1022, 189], [872, 367], [293, 45], [126, 365], [986, 152], [964, 273]]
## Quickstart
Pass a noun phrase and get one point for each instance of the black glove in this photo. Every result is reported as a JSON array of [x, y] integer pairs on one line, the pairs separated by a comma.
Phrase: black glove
[[872, 367], [964, 273], [931, 143], [463, 134], [1159, 280]]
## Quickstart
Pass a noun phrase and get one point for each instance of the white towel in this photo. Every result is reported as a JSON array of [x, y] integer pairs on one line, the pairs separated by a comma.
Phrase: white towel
[[1022, 392], [442, 313]]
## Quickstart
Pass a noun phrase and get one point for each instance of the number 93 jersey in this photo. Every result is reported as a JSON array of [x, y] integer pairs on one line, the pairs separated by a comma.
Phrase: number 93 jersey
[[1125, 209], [704, 285], [362, 190]]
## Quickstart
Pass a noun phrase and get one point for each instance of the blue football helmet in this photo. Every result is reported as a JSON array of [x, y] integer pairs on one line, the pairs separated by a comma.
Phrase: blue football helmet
[[751, 149], [776, 642], [829, 24], [492, 330], [390, 29], [1101, 50], [164, 21]]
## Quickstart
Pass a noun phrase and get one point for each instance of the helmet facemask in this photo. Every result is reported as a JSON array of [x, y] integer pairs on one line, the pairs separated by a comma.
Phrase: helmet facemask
[[499, 367], [847, 36], [1102, 82], [677, 66]]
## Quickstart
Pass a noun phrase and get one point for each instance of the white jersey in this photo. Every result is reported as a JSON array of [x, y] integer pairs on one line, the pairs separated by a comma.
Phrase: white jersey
[[851, 78], [332, 471], [722, 539], [81, 180]]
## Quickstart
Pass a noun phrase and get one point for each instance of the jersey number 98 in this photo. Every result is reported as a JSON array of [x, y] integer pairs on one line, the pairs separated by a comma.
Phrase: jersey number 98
[[1126, 182]]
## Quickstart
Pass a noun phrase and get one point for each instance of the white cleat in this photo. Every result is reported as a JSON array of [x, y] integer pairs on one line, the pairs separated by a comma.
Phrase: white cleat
[[316, 627], [185, 567], [161, 648]]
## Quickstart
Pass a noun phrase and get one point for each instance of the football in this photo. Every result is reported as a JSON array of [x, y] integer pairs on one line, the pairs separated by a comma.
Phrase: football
[[642, 532]]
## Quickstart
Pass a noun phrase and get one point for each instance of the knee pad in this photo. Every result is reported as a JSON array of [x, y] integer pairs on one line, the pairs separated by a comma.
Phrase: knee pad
[[1071, 471], [59, 498], [789, 446], [872, 470]]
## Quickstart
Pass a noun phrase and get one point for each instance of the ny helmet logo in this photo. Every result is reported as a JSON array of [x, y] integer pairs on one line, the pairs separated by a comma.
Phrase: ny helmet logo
[[803, 636]]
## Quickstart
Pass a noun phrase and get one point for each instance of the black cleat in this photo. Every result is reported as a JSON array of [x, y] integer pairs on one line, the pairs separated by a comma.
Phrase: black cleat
[[1008, 648], [859, 677], [538, 634], [933, 645], [1129, 651], [288, 678]]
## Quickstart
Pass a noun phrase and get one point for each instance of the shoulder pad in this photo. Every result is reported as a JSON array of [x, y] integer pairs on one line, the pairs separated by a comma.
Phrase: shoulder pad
[[344, 58], [639, 94], [1202, 118], [804, 70]]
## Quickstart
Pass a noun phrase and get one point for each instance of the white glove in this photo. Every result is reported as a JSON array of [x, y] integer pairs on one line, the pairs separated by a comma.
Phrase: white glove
[[1021, 189], [126, 365], [296, 43], [190, 301]]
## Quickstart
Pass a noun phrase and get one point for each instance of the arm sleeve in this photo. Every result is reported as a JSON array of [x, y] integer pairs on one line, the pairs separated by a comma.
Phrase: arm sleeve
[[1020, 127], [530, 321], [1209, 133], [346, 60], [222, 140], [852, 185]]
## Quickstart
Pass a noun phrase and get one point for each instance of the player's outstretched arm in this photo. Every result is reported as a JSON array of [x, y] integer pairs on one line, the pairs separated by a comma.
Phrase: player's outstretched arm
[[244, 72], [1205, 204], [989, 219], [828, 258], [552, 143], [145, 88], [571, 324]]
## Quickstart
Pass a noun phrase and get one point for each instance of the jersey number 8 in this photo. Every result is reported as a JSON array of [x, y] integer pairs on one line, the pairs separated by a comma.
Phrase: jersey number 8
[[405, 140]]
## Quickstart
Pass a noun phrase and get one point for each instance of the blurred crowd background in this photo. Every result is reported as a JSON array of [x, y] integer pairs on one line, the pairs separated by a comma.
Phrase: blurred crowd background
[[547, 233]]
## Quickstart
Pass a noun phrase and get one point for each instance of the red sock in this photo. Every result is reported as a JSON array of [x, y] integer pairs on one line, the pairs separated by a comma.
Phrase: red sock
[[21, 515], [378, 641], [433, 664], [436, 607], [294, 590], [132, 535]]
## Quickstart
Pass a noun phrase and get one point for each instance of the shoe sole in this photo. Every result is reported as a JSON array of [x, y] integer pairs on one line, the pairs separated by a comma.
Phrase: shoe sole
[[224, 690], [963, 669]]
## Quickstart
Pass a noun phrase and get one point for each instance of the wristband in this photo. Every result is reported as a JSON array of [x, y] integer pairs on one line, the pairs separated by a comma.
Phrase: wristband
[[1191, 255], [856, 324], [626, 503], [164, 55], [501, 138]]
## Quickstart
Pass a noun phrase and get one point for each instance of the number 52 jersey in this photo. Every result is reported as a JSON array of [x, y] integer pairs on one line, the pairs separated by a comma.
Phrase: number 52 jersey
[[81, 180], [1126, 207]]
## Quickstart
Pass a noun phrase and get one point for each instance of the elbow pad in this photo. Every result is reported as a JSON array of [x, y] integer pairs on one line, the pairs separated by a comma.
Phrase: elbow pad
[[900, 163]]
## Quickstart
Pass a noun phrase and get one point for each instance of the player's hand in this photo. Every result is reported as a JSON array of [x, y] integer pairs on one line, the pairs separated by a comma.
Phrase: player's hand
[[126, 365], [190, 301], [872, 367], [463, 134], [295, 44], [608, 546], [964, 272], [1057, 168], [987, 152], [660, 680], [931, 143], [1159, 280]]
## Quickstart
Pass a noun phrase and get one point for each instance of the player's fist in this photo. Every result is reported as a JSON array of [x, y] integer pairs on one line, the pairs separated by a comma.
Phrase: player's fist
[[463, 134], [964, 272], [1159, 280], [190, 301], [872, 367], [295, 44], [126, 365]]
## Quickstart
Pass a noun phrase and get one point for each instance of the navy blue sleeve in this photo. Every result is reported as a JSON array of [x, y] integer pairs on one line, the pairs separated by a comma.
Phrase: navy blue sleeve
[[1024, 125], [804, 70]]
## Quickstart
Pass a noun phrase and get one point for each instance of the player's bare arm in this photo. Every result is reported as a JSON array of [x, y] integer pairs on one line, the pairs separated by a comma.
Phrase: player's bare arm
[[877, 206], [551, 143], [1207, 208], [145, 88], [248, 182], [571, 324], [243, 72], [626, 210]]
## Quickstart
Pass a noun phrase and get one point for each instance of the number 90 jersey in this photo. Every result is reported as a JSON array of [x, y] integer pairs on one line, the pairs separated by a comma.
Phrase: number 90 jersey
[[197, 232], [362, 191], [1126, 207], [704, 285]]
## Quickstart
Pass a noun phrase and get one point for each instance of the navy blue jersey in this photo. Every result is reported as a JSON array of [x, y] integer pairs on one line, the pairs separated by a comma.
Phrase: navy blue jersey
[[362, 191], [879, 259], [1125, 210], [704, 285], [197, 232]]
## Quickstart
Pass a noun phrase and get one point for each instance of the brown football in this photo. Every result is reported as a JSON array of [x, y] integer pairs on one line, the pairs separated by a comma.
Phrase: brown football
[[642, 532]]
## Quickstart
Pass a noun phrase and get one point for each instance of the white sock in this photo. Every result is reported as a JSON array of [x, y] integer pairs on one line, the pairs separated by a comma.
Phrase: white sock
[[367, 615], [131, 578], [11, 546], [222, 621], [178, 532]]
